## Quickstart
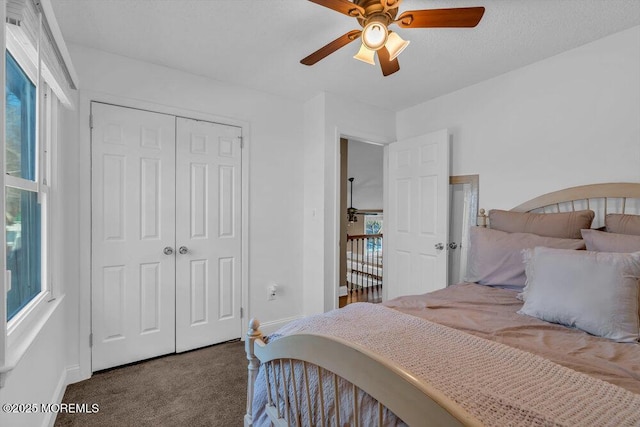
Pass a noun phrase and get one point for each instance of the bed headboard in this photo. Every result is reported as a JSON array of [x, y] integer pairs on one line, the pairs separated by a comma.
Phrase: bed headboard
[[617, 197]]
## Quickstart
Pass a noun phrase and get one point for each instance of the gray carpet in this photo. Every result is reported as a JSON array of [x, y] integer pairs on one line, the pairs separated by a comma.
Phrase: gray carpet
[[205, 387]]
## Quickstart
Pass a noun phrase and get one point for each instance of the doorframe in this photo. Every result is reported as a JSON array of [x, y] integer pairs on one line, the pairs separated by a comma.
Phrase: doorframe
[[83, 371], [332, 264], [342, 184]]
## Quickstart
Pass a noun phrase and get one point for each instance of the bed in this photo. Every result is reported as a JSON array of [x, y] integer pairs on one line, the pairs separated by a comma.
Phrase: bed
[[475, 353]]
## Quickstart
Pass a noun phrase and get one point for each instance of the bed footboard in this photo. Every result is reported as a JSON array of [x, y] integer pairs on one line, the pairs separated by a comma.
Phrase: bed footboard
[[317, 379]]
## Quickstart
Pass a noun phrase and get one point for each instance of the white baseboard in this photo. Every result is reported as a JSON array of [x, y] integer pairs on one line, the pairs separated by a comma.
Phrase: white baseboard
[[74, 375], [58, 394], [343, 291]]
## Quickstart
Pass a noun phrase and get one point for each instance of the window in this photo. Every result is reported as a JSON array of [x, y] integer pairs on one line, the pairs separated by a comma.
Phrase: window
[[39, 78], [23, 207], [373, 225]]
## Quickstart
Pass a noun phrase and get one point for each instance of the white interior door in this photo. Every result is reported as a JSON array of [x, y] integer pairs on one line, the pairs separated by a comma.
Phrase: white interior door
[[133, 220], [208, 230], [416, 215]]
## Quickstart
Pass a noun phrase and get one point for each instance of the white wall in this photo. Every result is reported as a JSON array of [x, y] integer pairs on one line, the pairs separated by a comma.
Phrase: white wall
[[313, 213], [365, 164], [275, 172], [327, 118], [571, 119], [40, 376]]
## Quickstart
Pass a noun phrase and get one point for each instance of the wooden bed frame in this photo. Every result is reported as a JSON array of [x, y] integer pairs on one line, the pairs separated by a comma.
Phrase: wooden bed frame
[[392, 387]]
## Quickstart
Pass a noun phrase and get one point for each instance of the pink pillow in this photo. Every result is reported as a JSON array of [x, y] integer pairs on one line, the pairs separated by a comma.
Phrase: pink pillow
[[566, 225], [600, 241], [623, 224], [495, 257]]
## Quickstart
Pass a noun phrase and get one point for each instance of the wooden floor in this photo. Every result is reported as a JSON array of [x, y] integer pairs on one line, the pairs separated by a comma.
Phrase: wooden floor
[[373, 295]]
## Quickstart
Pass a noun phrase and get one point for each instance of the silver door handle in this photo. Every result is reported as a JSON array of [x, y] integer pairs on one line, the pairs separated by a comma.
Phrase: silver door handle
[[168, 250], [183, 250], [439, 246], [453, 245]]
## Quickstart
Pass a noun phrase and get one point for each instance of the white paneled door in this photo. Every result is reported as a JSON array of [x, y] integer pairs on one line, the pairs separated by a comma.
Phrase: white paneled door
[[208, 233], [416, 215], [157, 187]]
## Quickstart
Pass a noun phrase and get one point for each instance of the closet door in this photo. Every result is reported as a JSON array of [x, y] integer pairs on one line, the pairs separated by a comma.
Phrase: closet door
[[133, 235], [208, 238]]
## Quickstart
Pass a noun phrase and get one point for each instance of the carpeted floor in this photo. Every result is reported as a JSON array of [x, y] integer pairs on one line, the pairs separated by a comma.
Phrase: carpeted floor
[[205, 387]]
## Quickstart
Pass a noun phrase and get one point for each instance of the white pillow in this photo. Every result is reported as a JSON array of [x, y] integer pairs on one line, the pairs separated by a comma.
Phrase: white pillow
[[597, 292]]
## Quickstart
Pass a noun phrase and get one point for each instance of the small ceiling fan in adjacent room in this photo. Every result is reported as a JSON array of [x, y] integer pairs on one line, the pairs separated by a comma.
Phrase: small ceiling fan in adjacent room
[[375, 16]]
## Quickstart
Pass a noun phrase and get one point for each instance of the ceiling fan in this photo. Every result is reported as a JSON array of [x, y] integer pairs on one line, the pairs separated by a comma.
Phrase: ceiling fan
[[375, 16]]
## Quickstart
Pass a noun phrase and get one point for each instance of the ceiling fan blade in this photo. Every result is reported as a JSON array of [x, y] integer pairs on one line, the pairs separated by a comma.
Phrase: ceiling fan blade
[[342, 6], [441, 18], [328, 49], [388, 66]]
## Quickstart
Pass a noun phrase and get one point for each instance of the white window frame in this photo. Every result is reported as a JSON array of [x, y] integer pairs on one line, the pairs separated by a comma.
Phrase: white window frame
[[19, 332], [373, 217]]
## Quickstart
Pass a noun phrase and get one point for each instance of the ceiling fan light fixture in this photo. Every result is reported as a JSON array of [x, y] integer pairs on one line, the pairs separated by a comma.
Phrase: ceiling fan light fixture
[[374, 35], [366, 55], [375, 16], [395, 45]]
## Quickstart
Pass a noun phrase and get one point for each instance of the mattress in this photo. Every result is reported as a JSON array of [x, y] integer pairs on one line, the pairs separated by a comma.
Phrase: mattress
[[491, 313]]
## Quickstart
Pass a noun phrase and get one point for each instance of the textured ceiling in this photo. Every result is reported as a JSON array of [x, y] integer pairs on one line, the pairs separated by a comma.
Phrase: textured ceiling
[[259, 43]]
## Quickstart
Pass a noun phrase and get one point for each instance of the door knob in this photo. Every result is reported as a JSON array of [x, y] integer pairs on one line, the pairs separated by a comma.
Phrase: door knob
[[168, 250], [183, 250], [453, 245], [439, 246]]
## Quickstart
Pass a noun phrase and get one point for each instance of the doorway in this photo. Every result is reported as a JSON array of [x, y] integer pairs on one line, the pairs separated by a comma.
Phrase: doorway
[[166, 234], [361, 222]]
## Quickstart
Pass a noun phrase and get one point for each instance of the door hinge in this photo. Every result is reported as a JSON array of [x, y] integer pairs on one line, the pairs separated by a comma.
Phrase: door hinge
[[90, 121], [91, 339], [241, 142], [241, 313]]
